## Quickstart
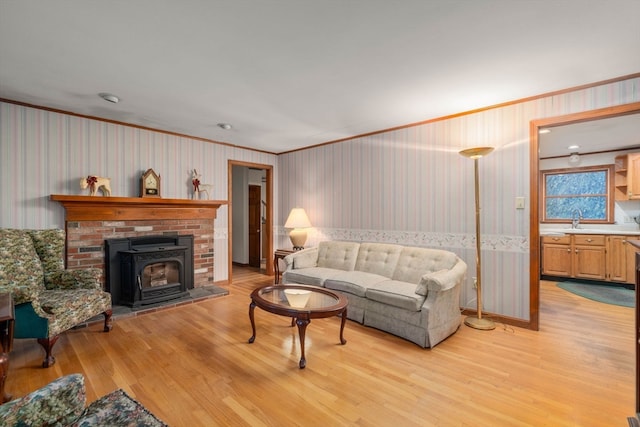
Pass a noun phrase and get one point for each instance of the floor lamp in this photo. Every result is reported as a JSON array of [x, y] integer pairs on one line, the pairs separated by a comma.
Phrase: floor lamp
[[478, 322]]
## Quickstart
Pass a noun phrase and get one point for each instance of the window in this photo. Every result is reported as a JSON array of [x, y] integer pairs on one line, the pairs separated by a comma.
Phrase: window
[[585, 192]]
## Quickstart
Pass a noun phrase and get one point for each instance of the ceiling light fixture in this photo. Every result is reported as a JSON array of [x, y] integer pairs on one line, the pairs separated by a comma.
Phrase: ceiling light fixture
[[109, 97], [225, 126], [574, 158]]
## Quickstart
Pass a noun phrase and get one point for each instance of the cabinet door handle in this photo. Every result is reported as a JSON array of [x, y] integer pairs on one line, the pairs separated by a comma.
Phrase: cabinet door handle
[[589, 240], [576, 251], [569, 250], [556, 239]]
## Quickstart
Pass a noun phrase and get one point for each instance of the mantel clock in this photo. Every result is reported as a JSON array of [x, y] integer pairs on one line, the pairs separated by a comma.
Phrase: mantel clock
[[150, 184]]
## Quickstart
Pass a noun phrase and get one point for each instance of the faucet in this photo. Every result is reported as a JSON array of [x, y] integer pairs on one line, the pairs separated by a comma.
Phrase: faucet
[[575, 218]]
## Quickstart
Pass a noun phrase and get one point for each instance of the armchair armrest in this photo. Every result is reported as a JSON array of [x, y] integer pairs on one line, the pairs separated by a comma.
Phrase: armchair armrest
[[87, 278], [58, 403]]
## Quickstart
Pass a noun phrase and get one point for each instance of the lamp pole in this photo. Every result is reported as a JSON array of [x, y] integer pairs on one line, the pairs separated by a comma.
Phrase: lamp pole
[[478, 322]]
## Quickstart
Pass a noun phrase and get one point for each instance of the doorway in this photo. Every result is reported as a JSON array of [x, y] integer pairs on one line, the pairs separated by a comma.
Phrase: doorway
[[534, 239], [241, 220]]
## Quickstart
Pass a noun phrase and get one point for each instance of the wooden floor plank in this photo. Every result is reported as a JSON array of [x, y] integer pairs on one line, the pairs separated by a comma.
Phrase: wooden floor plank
[[192, 366]]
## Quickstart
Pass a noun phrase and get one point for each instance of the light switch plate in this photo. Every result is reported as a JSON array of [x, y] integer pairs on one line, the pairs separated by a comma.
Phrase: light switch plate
[[519, 202]]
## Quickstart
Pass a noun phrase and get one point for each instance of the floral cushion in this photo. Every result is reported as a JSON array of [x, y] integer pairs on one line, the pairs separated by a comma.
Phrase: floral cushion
[[59, 403], [70, 308], [20, 268], [62, 403], [49, 245], [117, 409]]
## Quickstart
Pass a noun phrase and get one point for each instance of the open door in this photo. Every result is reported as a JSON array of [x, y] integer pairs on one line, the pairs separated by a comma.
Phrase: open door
[[255, 225]]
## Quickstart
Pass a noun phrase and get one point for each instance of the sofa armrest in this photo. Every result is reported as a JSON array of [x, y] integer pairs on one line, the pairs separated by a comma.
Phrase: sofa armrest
[[58, 403], [302, 259], [86, 278], [442, 280]]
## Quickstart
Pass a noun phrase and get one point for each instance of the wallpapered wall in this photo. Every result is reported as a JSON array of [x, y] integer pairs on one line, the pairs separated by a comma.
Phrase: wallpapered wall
[[43, 153], [408, 186], [411, 186]]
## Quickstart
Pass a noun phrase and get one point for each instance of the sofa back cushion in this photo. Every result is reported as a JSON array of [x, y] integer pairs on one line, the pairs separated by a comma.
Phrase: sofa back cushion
[[416, 262], [338, 255], [20, 268], [378, 258]]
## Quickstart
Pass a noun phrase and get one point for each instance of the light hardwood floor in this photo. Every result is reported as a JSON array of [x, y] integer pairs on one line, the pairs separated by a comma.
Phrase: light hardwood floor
[[192, 366]]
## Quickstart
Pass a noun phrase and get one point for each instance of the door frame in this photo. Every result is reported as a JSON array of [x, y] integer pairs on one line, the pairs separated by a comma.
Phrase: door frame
[[268, 214], [534, 186]]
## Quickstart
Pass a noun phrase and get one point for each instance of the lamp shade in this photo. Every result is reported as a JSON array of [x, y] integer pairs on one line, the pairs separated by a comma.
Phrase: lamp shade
[[298, 220]]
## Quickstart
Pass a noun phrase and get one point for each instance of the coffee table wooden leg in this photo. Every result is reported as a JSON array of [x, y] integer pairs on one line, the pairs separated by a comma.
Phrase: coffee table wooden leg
[[302, 328], [252, 308], [344, 320]]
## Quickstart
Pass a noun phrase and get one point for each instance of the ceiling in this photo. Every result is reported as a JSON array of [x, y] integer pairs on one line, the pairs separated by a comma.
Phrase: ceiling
[[288, 74], [610, 134]]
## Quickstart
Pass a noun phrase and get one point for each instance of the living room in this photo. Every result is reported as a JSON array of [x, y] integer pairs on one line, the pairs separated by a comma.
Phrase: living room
[[407, 184]]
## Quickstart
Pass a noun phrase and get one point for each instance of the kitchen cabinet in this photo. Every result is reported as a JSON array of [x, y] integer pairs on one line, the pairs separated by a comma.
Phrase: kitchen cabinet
[[556, 256], [627, 177], [589, 256]]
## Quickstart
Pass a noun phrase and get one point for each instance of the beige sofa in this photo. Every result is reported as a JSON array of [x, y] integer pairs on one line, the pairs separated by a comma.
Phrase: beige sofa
[[410, 292]]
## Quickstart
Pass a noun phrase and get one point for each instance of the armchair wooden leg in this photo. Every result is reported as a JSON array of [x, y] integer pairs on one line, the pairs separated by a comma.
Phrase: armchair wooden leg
[[47, 344], [107, 320]]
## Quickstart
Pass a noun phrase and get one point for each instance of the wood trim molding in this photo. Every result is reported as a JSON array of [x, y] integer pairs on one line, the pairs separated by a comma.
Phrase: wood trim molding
[[96, 208]]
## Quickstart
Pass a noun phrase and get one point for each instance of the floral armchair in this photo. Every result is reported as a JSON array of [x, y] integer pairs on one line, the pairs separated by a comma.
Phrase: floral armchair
[[48, 298], [62, 403]]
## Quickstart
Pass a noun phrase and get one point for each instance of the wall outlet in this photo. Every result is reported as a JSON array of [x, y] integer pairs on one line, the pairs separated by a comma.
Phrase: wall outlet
[[628, 219], [475, 282]]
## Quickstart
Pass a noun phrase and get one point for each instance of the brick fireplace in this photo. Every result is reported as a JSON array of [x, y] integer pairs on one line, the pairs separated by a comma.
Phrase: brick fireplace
[[90, 220]]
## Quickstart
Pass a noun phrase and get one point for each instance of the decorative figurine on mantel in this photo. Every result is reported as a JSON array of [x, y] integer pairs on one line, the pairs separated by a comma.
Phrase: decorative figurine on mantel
[[198, 187], [95, 183]]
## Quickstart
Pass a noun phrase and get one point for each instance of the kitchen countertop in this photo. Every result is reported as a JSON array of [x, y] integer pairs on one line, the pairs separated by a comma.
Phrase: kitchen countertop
[[609, 231]]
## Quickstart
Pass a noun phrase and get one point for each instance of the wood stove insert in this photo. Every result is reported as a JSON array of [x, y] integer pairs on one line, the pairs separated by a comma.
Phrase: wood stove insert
[[149, 269]]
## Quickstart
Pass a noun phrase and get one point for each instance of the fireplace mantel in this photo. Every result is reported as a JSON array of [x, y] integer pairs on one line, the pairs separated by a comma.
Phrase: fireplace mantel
[[97, 208]]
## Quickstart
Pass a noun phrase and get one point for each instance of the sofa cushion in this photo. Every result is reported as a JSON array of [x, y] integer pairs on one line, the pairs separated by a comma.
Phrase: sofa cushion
[[308, 276], [378, 258], [353, 282], [415, 262], [338, 255], [20, 268], [397, 294]]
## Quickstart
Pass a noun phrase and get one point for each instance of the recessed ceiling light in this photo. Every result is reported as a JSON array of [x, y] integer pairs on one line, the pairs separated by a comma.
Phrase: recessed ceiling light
[[109, 97], [573, 147], [225, 126], [543, 131]]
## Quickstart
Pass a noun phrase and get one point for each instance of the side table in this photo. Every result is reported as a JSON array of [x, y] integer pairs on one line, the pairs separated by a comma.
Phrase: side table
[[7, 318], [278, 255]]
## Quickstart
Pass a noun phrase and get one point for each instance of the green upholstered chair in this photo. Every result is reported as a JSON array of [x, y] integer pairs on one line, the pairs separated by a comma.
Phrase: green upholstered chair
[[48, 298]]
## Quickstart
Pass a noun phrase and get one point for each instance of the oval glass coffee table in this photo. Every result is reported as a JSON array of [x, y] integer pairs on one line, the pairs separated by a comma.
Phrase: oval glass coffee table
[[322, 303]]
